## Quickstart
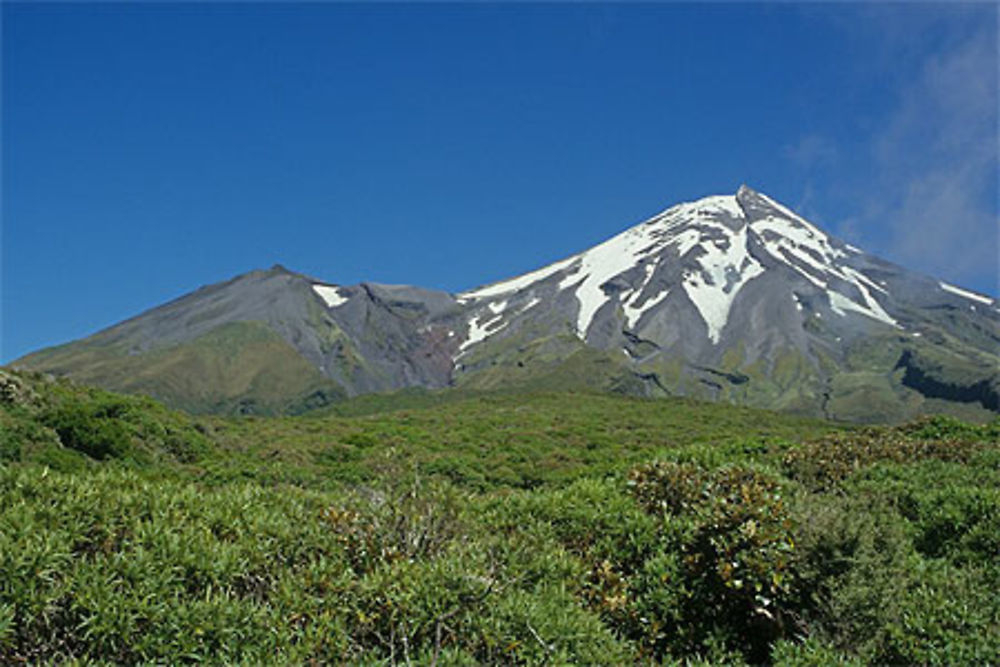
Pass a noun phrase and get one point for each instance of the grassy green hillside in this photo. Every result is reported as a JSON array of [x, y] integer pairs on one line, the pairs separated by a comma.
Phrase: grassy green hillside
[[495, 528], [240, 367]]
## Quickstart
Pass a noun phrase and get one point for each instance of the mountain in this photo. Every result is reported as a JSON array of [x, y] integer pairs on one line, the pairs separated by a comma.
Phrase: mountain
[[731, 297]]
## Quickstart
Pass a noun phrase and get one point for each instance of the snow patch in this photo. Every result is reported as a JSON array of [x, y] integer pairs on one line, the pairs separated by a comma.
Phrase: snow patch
[[634, 313], [874, 308], [726, 268], [725, 204], [966, 293], [787, 212], [330, 295], [857, 275], [686, 240], [803, 241], [479, 330], [840, 303], [627, 250], [485, 324], [808, 251], [702, 232], [515, 284], [588, 271], [603, 262]]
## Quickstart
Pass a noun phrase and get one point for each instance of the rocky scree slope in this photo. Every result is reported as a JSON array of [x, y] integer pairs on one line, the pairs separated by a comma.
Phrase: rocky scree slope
[[732, 297]]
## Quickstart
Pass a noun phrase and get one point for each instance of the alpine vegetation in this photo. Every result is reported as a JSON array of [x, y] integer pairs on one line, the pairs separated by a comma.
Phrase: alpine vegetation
[[520, 529]]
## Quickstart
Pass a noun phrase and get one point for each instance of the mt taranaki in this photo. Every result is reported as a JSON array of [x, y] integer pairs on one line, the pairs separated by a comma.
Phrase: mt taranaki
[[731, 297]]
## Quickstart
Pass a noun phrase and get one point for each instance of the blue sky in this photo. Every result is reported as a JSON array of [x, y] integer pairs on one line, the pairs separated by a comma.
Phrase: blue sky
[[150, 149]]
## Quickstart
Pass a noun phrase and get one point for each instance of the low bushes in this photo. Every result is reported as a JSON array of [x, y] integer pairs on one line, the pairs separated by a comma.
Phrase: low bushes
[[824, 463], [105, 426], [64, 425], [116, 567], [124, 537]]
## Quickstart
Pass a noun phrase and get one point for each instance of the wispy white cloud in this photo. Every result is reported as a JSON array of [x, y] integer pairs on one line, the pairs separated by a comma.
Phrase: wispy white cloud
[[812, 155], [929, 198], [938, 154], [811, 151]]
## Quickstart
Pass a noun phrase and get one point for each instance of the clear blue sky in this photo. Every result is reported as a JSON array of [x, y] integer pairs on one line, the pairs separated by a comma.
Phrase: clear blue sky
[[151, 149]]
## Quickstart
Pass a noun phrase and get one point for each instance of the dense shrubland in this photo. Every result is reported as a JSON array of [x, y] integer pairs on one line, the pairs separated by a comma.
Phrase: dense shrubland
[[511, 530]]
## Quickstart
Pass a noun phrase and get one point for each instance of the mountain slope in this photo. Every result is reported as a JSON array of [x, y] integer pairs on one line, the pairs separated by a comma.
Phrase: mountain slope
[[737, 297], [265, 341], [731, 297]]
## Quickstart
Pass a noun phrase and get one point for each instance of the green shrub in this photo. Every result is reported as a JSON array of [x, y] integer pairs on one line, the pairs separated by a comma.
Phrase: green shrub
[[952, 509], [57, 457], [11, 437], [941, 427], [593, 519], [719, 579], [948, 616], [868, 585], [826, 462], [104, 426], [810, 652], [408, 523], [850, 567], [96, 430], [947, 517], [113, 567]]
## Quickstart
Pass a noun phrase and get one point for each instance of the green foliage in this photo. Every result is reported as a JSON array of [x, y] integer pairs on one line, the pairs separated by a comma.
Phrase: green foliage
[[810, 653], [728, 538], [946, 616], [826, 462], [63, 419], [93, 428], [13, 433], [950, 509], [21, 434], [504, 440], [941, 427], [850, 566], [900, 566], [58, 457], [503, 529], [115, 567], [407, 524]]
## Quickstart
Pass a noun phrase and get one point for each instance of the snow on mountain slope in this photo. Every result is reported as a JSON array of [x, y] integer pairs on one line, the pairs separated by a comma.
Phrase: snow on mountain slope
[[330, 295], [714, 247], [966, 294], [515, 284], [726, 266]]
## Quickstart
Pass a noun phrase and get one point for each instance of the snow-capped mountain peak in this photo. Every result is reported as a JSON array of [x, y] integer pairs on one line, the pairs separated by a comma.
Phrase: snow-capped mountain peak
[[709, 250]]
